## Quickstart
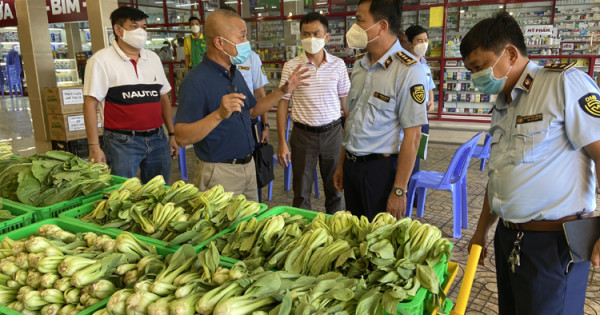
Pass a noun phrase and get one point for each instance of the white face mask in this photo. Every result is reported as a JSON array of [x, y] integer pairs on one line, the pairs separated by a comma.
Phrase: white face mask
[[313, 45], [421, 49], [357, 36], [135, 38], [195, 28]]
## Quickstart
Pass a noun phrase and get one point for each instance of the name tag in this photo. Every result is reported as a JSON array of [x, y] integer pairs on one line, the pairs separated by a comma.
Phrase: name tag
[[529, 118], [382, 97], [243, 68]]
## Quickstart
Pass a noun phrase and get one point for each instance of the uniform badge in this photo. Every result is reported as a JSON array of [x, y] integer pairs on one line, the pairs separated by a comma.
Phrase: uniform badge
[[406, 59], [529, 118], [417, 92], [559, 66], [243, 68], [388, 62], [360, 55], [382, 97], [527, 83], [590, 103], [262, 67]]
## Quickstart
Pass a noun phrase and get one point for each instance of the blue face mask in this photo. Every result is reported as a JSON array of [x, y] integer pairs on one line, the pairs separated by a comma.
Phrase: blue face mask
[[486, 82], [243, 52]]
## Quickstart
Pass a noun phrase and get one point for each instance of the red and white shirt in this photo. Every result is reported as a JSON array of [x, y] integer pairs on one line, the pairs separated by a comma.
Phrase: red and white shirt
[[319, 103], [129, 91]]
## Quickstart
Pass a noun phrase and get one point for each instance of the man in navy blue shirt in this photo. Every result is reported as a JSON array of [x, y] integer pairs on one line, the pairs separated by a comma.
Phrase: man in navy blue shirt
[[216, 106]]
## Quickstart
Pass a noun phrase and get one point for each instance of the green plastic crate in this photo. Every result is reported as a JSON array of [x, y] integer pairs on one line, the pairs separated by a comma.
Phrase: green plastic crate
[[307, 214], [73, 227], [22, 218], [74, 214], [52, 211]]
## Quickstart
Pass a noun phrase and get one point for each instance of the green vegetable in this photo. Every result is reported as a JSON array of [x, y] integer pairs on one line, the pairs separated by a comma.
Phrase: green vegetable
[[117, 303], [46, 179]]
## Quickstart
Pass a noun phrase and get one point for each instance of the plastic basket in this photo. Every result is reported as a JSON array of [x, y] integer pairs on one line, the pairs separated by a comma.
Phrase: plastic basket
[[22, 218], [307, 214], [52, 211], [74, 214]]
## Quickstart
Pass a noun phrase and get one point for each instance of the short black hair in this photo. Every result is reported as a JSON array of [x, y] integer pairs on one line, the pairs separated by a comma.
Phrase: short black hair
[[226, 7], [193, 18], [493, 34], [413, 31], [122, 14], [315, 16], [389, 10]]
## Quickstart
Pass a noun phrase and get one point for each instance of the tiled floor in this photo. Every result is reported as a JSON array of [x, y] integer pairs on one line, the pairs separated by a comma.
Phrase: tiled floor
[[15, 126]]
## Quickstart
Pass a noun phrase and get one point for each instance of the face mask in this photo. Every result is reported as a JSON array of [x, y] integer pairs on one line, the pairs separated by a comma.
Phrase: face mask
[[243, 52], [421, 49], [136, 38], [357, 37], [313, 45], [196, 29], [487, 83]]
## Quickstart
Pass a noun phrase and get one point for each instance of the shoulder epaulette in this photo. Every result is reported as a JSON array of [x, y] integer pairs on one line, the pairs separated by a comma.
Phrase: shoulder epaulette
[[406, 59], [559, 66], [360, 55]]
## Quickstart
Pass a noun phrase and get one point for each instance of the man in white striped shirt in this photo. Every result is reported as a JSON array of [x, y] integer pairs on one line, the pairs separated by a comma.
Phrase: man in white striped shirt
[[316, 112]]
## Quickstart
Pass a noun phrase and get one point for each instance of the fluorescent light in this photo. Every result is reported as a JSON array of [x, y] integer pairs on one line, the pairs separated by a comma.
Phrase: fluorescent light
[[501, 6], [230, 2]]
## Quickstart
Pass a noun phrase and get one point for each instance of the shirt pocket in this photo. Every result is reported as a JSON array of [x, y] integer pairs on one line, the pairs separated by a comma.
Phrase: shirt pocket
[[383, 109], [527, 141]]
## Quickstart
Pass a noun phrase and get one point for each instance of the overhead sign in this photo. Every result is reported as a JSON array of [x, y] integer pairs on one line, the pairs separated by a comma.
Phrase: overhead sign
[[59, 11], [8, 13]]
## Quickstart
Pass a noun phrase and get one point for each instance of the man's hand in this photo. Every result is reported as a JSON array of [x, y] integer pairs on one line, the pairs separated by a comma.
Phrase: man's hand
[[96, 154], [231, 103], [480, 238], [396, 205], [338, 179], [596, 255], [174, 148], [295, 80], [265, 135], [430, 105], [283, 155]]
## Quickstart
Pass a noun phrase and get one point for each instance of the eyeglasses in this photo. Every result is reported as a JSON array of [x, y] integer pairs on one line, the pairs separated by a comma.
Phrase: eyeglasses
[[232, 88]]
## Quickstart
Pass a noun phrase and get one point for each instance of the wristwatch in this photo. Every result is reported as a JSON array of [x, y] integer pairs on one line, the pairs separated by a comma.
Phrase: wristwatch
[[399, 191], [266, 125]]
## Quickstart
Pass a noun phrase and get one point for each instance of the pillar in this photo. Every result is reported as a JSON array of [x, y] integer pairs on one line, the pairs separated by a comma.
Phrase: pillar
[[38, 64], [99, 21], [73, 39]]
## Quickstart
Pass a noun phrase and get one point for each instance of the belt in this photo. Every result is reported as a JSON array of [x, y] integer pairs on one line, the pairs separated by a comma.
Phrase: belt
[[142, 133], [244, 160], [318, 129], [545, 225], [370, 157]]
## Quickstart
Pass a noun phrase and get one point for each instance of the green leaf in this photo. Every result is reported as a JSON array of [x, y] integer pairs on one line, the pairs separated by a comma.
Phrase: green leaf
[[390, 302], [428, 278]]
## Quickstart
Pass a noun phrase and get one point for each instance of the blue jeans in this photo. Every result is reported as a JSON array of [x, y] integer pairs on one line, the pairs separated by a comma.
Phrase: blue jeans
[[126, 153]]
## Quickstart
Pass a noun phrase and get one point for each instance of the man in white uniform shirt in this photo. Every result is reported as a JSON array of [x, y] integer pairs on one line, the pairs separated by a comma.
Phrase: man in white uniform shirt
[[316, 113]]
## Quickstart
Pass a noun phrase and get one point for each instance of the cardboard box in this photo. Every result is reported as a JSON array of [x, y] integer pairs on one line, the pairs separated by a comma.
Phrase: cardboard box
[[69, 127], [64, 100]]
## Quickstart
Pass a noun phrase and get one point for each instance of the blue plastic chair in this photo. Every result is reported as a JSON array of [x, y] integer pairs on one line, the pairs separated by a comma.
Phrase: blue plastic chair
[[454, 180], [287, 171], [182, 161], [483, 152]]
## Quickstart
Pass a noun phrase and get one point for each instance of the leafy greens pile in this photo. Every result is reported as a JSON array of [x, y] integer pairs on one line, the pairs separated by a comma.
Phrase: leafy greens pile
[[179, 214], [395, 258], [46, 179], [5, 150]]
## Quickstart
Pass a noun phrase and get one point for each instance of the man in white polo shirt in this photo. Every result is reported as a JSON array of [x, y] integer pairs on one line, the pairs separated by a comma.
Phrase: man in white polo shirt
[[129, 84], [316, 113]]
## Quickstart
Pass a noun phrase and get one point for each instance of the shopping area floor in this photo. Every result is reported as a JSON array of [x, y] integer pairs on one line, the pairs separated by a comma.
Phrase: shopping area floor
[[15, 126]]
